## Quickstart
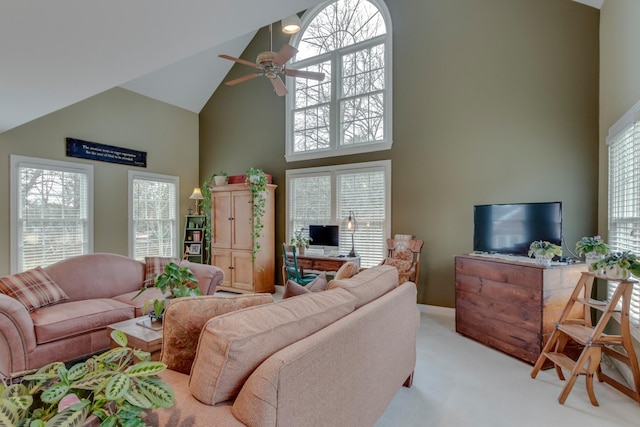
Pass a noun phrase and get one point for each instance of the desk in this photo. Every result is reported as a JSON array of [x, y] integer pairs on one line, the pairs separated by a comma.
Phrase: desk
[[324, 263], [320, 263]]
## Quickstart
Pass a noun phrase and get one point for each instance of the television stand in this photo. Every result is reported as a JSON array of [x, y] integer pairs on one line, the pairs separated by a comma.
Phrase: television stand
[[509, 305]]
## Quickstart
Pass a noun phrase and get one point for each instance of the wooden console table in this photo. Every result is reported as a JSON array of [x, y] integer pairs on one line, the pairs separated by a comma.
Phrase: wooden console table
[[324, 263], [512, 306]]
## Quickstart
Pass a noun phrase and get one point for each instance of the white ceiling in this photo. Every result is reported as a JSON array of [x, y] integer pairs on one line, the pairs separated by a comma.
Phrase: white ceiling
[[593, 3], [56, 53]]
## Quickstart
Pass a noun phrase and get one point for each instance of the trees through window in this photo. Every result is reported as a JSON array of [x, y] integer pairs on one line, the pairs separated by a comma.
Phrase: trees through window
[[350, 110]]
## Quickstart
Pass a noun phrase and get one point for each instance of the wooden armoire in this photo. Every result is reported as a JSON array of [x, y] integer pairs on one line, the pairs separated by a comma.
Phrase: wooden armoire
[[232, 239]]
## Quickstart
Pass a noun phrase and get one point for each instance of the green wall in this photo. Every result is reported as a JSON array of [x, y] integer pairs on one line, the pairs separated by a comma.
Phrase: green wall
[[619, 77], [494, 101], [117, 117]]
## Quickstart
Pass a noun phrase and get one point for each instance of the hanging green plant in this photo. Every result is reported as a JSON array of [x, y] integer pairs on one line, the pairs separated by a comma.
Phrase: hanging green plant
[[256, 179], [206, 211]]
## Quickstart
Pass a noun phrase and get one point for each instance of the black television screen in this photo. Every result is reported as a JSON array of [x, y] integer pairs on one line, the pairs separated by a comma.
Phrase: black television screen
[[324, 235], [510, 228]]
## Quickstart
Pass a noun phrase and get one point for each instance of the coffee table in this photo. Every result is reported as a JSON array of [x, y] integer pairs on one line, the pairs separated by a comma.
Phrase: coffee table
[[138, 336]]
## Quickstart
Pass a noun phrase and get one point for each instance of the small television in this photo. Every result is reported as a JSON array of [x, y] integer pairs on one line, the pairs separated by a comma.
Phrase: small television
[[324, 235], [510, 228]]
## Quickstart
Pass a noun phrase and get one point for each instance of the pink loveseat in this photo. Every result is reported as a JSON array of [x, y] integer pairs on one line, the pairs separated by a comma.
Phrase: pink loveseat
[[100, 289], [330, 358]]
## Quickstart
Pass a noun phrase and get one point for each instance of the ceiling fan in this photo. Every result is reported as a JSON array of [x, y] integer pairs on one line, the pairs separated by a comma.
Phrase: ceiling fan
[[272, 65]]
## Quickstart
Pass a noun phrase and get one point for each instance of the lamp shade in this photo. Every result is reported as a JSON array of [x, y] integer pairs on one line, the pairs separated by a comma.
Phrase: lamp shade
[[291, 24], [197, 194]]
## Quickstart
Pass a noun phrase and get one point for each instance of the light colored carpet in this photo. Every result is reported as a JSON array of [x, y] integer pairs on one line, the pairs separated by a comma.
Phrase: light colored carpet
[[459, 382]]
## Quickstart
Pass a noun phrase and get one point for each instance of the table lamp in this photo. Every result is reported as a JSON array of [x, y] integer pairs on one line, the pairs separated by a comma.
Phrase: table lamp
[[197, 196]]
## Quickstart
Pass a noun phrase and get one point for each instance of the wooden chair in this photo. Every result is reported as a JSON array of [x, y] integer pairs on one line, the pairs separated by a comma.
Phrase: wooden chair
[[290, 269], [618, 346], [403, 253]]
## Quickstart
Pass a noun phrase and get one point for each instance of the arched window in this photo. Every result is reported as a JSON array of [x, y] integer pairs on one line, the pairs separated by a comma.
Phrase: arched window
[[350, 110]]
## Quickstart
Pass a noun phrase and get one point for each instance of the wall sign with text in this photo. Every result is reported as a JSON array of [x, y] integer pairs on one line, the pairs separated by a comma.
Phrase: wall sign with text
[[105, 153]]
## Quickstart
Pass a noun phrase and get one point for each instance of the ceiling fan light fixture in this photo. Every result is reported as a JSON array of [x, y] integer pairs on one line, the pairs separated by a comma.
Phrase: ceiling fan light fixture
[[291, 24]]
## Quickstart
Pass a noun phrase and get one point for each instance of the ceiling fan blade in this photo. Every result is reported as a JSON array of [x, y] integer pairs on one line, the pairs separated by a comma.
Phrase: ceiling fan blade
[[242, 79], [285, 54], [279, 86], [241, 61], [304, 74]]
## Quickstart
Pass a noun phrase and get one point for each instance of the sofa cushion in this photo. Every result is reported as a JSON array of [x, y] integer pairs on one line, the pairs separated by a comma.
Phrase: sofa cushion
[[233, 345], [60, 321], [292, 289], [184, 319], [154, 266], [346, 270], [138, 302], [33, 288], [369, 284]]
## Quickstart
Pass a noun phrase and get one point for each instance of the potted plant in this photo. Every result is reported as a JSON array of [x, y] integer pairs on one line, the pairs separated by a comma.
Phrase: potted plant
[[175, 282], [114, 387], [617, 265], [593, 249], [257, 181], [220, 178], [300, 241], [544, 251]]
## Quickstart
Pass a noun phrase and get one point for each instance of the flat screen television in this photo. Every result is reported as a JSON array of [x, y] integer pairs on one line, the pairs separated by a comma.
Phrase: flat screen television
[[324, 235], [510, 228]]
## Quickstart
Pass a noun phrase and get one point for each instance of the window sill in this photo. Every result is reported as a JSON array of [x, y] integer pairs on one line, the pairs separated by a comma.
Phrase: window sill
[[345, 151]]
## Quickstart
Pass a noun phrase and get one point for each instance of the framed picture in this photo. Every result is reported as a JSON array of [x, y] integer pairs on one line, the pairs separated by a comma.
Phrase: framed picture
[[194, 249]]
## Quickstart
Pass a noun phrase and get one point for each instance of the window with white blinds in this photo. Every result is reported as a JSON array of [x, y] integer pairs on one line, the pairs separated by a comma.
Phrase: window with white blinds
[[51, 211], [153, 215], [624, 193], [326, 195]]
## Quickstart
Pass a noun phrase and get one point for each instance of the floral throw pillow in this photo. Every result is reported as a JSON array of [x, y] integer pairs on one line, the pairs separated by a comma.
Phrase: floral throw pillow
[[33, 288]]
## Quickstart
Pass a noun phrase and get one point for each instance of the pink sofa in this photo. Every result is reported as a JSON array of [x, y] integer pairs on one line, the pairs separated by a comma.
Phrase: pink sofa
[[331, 358], [100, 288]]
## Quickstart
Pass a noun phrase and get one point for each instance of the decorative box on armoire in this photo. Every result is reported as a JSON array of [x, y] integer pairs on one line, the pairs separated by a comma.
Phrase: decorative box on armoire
[[232, 239]]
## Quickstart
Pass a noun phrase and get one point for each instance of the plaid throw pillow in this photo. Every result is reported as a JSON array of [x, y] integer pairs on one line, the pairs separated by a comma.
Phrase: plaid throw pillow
[[33, 288], [155, 266]]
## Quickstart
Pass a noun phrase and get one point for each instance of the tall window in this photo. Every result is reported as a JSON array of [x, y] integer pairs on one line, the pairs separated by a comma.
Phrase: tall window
[[624, 193], [51, 211], [350, 110], [326, 195], [153, 215]]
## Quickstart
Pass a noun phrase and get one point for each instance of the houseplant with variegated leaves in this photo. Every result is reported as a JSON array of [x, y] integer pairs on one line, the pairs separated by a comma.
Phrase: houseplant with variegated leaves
[[115, 387]]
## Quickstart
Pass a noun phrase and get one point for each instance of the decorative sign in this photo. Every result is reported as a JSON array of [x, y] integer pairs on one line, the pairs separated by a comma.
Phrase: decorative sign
[[105, 153]]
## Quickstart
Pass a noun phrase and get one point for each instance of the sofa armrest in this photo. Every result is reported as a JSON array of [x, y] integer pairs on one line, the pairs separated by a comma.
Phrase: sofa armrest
[[17, 335], [209, 276]]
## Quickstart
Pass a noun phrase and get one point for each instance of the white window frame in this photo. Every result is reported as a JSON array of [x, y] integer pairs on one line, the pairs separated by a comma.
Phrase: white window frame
[[629, 122], [18, 162], [134, 175], [333, 170], [336, 149]]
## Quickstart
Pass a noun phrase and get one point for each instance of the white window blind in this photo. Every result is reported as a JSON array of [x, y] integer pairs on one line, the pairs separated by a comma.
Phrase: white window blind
[[52, 211], [624, 194], [350, 110], [327, 195], [153, 214]]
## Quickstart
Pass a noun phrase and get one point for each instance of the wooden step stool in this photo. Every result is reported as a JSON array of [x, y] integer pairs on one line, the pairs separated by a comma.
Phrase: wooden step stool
[[593, 338]]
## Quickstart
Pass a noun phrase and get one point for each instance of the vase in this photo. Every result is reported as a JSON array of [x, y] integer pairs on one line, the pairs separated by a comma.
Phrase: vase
[[616, 272], [220, 180], [300, 250], [543, 260], [590, 258]]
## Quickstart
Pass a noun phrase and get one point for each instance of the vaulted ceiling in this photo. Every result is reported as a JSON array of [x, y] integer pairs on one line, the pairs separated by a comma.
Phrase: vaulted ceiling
[[56, 53]]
